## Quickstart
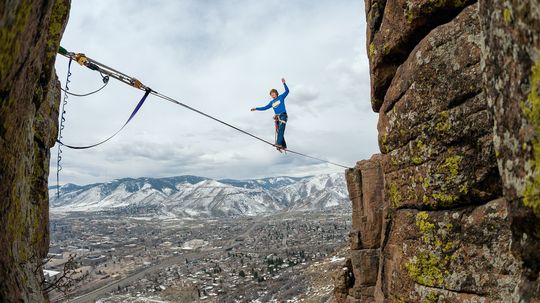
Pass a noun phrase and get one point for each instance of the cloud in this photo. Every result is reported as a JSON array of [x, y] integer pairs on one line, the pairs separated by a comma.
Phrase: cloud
[[304, 94], [221, 58]]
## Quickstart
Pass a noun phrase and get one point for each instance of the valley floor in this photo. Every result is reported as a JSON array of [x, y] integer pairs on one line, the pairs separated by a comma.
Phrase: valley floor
[[288, 256]]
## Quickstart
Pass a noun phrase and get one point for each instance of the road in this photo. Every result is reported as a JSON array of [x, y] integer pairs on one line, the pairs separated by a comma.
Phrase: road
[[107, 289], [179, 259]]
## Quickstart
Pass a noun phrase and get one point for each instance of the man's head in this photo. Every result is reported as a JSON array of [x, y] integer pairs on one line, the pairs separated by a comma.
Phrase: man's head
[[273, 93]]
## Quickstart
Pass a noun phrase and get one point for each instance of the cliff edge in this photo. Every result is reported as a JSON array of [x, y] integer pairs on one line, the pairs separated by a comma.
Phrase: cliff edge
[[450, 209], [30, 33]]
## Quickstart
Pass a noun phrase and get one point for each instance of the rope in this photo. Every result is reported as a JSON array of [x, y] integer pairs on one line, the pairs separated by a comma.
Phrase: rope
[[102, 68], [315, 158], [240, 130], [276, 124], [105, 82], [61, 128], [159, 95]]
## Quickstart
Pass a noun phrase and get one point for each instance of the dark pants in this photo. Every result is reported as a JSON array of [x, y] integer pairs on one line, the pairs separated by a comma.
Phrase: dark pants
[[281, 123]]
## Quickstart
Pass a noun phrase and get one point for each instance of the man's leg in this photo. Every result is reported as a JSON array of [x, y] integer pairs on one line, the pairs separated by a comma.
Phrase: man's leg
[[281, 134]]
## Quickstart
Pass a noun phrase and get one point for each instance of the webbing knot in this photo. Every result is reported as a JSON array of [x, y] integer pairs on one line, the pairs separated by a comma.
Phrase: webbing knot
[[81, 58], [136, 83]]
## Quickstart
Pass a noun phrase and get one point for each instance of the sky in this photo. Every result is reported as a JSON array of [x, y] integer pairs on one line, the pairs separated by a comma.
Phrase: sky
[[221, 57]]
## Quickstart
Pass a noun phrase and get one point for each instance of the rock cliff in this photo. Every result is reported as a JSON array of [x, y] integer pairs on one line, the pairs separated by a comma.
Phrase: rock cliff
[[30, 33], [450, 209]]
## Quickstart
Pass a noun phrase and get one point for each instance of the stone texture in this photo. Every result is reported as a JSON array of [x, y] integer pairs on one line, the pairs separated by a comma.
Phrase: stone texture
[[365, 263], [455, 215], [366, 185], [372, 201], [435, 122], [394, 28], [511, 69], [343, 281], [354, 186], [30, 33], [446, 254]]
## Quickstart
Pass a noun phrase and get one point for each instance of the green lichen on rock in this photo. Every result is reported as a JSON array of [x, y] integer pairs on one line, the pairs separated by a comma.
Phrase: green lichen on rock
[[385, 49], [395, 196], [425, 269], [464, 188], [445, 196], [384, 140], [432, 297], [451, 164], [443, 125], [416, 160], [421, 150], [531, 110], [371, 50], [430, 265], [444, 199], [507, 15], [410, 15], [10, 35], [14, 218], [30, 32], [426, 228], [58, 16], [425, 182]]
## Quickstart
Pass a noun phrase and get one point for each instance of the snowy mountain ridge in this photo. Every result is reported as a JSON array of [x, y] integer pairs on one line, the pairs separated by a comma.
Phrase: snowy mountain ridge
[[193, 196]]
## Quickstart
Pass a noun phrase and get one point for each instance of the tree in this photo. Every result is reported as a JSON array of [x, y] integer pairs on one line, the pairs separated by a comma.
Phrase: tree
[[66, 279], [242, 274]]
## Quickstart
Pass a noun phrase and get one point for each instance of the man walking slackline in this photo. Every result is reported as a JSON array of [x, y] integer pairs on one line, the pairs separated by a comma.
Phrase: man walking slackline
[[280, 118]]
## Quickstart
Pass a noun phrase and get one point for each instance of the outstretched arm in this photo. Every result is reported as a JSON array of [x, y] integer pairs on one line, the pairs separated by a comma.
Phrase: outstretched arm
[[262, 107], [286, 88]]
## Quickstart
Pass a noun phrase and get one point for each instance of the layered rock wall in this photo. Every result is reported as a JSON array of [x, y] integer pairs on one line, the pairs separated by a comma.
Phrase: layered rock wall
[[30, 33], [511, 65], [449, 211]]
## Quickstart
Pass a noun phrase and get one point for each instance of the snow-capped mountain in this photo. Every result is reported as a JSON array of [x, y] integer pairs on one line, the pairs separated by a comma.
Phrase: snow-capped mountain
[[197, 196]]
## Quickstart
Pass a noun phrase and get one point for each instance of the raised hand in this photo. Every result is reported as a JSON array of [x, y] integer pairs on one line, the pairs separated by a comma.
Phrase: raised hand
[[282, 80]]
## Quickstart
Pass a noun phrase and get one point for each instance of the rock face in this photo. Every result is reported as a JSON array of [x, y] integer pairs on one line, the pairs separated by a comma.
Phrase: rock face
[[30, 33], [450, 209], [511, 79]]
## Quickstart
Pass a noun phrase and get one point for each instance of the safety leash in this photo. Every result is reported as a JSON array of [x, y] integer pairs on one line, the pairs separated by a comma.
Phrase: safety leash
[[276, 124], [60, 129], [105, 80]]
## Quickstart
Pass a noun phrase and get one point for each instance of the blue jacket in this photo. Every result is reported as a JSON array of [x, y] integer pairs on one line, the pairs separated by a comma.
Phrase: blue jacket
[[278, 103]]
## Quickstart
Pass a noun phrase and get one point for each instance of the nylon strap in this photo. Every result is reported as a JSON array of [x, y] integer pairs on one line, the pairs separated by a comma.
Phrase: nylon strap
[[116, 133]]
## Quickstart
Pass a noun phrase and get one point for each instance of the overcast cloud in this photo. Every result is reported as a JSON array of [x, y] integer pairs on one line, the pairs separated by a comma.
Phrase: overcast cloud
[[221, 57]]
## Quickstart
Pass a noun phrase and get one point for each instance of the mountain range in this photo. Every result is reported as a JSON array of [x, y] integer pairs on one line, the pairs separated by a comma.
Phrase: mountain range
[[193, 196]]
